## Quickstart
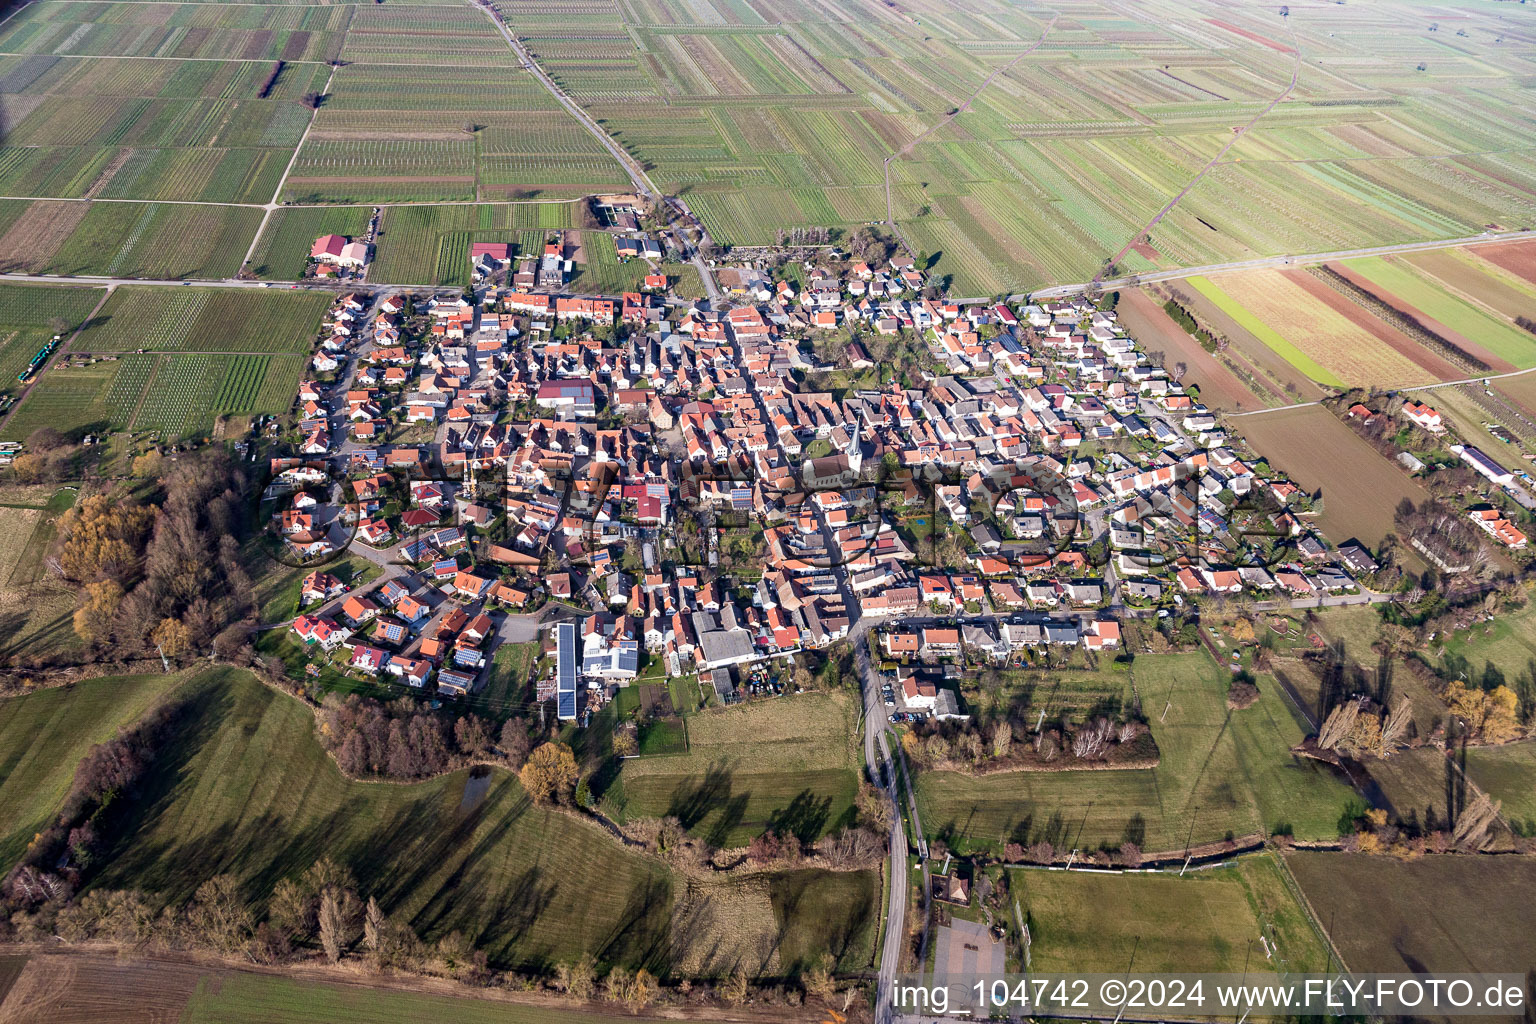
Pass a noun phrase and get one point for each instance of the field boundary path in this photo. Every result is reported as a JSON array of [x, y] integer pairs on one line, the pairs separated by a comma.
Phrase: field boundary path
[[890, 218], [272, 204], [1200, 175], [632, 167], [1407, 387]]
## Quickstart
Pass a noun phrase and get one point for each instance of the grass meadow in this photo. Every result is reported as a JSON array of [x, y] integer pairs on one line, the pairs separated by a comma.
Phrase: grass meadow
[[242, 786], [1221, 773], [1435, 914], [44, 735], [1208, 920], [789, 764]]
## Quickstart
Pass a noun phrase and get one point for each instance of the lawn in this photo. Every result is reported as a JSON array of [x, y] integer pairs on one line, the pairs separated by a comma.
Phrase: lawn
[[506, 692], [243, 787], [44, 734], [1207, 920], [790, 763], [277, 585], [1221, 773], [1435, 915]]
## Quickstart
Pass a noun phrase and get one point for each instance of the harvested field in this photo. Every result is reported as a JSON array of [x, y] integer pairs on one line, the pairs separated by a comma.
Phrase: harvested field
[[36, 236], [1220, 388], [1518, 258], [1310, 334], [1360, 488], [1435, 915], [1274, 367], [1432, 365], [83, 990]]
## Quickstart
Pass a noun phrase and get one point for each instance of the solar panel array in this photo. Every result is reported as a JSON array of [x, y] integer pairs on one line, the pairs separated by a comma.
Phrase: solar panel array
[[565, 641]]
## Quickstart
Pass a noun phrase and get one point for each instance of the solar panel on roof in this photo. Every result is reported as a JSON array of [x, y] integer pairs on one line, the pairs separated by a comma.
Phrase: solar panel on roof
[[565, 640]]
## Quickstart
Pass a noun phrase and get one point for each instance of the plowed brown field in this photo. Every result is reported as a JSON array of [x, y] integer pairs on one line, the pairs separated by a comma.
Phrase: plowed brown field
[[1361, 488], [1220, 388]]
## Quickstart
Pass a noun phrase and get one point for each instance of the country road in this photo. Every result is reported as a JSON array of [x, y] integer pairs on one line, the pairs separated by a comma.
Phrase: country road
[[1213, 161], [1263, 263], [632, 167], [882, 772], [890, 217], [1409, 387]]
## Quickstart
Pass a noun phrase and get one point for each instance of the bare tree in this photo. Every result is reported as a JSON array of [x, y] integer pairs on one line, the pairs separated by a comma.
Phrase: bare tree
[[331, 925], [1474, 825], [1337, 727], [374, 926], [1002, 738], [577, 980], [1396, 724]]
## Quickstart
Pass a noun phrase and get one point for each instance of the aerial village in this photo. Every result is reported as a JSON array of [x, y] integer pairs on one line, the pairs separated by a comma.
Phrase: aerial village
[[718, 490]]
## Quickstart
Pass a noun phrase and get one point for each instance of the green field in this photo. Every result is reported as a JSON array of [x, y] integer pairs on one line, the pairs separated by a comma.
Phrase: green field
[[44, 735], [1400, 282], [789, 764], [234, 998], [80, 986], [205, 320], [1508, 774], [1208, 920], [1502, 650], [1289, 352], [242, 786], [1220, 773]]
